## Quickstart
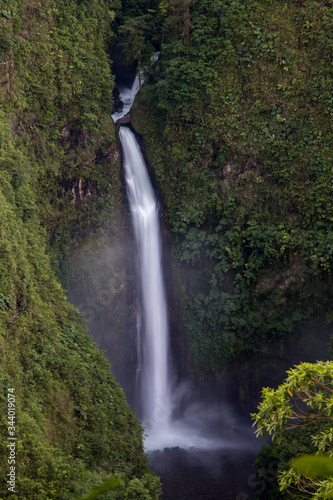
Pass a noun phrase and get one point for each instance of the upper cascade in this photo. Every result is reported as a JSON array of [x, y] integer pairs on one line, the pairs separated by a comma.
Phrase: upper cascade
[[127, 94]]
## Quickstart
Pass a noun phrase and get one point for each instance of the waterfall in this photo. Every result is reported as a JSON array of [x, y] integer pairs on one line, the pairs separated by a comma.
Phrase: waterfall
[[127, 96], [197, 425], [153, 344]]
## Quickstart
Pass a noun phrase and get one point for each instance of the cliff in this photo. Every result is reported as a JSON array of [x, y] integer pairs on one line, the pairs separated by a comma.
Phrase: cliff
[[237, 121], [60, 179]]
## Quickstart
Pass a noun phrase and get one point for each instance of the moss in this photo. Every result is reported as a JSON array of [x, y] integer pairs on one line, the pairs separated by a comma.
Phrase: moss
[[242, 156], [59, 171]]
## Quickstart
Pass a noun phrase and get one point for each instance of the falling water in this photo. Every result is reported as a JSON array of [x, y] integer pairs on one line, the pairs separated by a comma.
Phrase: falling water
[[198, 424], [195, 425], [127, 96], [154, 379]]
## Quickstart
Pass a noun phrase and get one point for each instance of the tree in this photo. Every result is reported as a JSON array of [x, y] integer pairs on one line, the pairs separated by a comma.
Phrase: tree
[[305, 398], [178, 17], [133, 31]]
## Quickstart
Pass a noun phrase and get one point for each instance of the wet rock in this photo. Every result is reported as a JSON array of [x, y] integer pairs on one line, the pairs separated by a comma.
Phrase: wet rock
[[117, 102], [124, 120]]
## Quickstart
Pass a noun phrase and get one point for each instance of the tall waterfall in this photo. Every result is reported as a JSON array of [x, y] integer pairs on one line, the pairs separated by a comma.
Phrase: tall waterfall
[[154, 378], [195, 424], [196, 432]]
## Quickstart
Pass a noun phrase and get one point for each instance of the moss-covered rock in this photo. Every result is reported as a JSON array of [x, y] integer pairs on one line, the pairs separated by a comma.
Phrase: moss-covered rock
[[59, 171], [236, 117]]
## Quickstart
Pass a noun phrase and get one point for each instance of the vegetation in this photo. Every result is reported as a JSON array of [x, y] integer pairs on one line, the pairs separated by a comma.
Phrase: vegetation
[[303, 402], [56, 87], [59, 178], [237, 119]]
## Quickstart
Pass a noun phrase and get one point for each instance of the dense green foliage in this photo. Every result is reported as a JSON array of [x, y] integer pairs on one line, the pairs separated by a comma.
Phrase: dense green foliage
[[137, 33], [56, 86], [237, 118], [274, 459], [59, 177], [303, 402]]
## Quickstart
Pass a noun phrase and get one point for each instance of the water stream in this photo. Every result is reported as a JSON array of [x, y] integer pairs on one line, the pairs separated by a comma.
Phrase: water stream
[[127, 96], [153, 348]]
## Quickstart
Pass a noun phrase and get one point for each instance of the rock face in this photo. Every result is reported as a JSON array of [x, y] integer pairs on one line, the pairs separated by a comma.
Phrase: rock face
[[124, 120], [117, 102]]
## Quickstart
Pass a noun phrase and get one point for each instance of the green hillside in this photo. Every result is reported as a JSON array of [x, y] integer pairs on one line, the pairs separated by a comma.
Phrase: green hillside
[[236, 118], [237, 122], [60, 179]]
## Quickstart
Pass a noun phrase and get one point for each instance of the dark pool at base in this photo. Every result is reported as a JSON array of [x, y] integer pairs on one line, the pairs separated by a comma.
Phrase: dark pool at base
[[205, 475]]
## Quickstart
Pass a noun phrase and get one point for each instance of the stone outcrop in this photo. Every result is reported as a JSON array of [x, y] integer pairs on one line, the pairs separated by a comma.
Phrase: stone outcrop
[[124, 120]]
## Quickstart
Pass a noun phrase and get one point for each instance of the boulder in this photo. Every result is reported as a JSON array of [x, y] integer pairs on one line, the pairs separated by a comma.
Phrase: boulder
[[124, 120], [117, 102]]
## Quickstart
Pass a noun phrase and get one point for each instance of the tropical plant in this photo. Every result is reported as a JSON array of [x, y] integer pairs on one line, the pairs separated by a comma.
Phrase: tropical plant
[[304, 399]]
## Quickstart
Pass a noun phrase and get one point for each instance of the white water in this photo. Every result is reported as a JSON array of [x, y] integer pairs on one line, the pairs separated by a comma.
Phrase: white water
[[154, 377], [127, 96]]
